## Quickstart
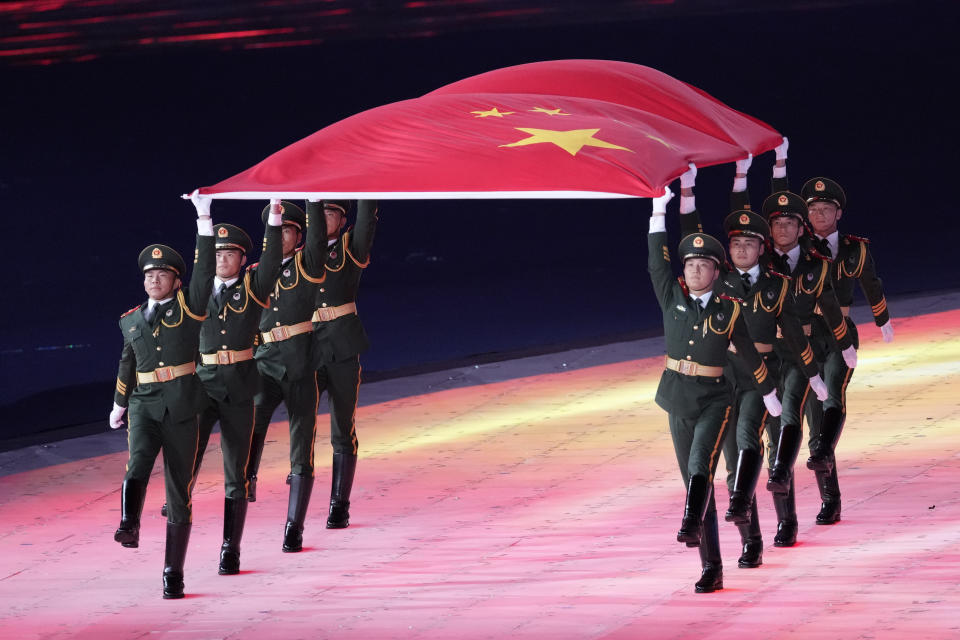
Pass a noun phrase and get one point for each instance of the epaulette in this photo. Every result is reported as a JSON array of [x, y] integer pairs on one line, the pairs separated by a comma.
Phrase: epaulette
[[732, 298], [683, 286], [849, 236], [126, 313], [817, 254], [777, 273], [252, 266]]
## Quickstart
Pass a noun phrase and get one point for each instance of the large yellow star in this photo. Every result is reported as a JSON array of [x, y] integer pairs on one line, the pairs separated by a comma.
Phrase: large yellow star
[[570, 141], [492, 112], [549, 112]]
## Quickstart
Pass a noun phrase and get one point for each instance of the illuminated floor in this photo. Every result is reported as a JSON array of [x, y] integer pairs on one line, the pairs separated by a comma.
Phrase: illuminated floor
[[544, 506]]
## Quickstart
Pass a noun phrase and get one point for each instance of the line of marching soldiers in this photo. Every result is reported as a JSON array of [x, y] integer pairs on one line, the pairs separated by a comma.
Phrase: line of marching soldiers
[[230, 348], [755, 344]]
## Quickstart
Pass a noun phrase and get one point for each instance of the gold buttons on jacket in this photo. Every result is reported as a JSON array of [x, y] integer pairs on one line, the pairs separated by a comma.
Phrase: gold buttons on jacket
[[323, 304], [691, 342], [158, 348], [160, 363], [223, 330], [696, 327], [276, 309], [689, 357]]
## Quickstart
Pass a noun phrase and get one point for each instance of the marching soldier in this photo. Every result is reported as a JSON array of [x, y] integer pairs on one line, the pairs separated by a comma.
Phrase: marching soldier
[[285, 364], [227, 368], [157, 379], [699, 324], [339, 339], [852, 262], [768, 311]]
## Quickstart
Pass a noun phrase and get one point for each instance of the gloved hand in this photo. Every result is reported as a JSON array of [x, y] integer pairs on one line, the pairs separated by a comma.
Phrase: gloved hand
[[850, 357], [781, 149], [887, 330], [660, 202], [773, 404], [689, 177], [116, 416], [275, 217], [201, 204], [819, 388], [744, 165]]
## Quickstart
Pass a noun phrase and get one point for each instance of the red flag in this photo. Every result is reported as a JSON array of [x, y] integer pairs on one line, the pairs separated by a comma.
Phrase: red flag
[[574, 133]]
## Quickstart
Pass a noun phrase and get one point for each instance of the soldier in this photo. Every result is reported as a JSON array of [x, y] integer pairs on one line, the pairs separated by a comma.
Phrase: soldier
[[228, 370], [285, 364], [699, 325], [852, 261], [339, 339], [157, 380], [768, 311]]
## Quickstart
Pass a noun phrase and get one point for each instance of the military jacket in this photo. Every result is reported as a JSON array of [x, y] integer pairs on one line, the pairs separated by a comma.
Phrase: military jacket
[[171, 339], [291, 302], [855, 263], [235, 325], [698, 336], [344, 337]]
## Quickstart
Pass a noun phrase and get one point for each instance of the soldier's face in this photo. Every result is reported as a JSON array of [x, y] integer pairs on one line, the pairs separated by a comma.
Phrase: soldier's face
[[745, 252], [229, 262], [824, 217], [786, 232], [335, 222], [160, 283], [289, 239], [700, 274]]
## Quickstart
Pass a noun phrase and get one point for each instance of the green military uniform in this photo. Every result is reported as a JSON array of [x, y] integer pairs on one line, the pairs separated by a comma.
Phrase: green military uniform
[[339, 339], [285, 362], [229, 374], [852, 262], [693, 389], [157, 380]]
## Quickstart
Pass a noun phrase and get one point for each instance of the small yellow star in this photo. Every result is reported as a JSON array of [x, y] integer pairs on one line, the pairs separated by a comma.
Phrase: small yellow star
[[492, 112], [570, 141], [549, 112]]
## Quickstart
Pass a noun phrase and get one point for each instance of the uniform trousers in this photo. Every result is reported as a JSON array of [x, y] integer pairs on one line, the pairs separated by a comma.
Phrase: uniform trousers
[[236, 432], [300, 398], [341, 381]]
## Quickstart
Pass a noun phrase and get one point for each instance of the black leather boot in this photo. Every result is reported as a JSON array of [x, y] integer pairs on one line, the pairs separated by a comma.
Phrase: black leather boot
[[698, 497], [752, 540], [300, 488], [178, 535], [234, 516], [788, 447], [253, 464], [749, 464], [821, 451], [711, 578], [829, 487], [132, 495], [344, 468], [786, 507]]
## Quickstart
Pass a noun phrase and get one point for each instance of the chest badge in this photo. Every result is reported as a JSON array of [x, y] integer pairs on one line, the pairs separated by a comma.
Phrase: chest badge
[[236, 296], [131, 329], [169, 312], [720, 317], [333, 254], [769, 295], [680, 307], [286, 273]]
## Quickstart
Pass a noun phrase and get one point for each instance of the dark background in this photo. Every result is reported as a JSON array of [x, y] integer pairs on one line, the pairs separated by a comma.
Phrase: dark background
[[97, 146]]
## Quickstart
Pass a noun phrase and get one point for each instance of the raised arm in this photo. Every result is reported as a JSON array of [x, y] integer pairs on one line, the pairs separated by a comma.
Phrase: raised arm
[[658, 254], [739, 195], [689, 216], [262, 279], [361, 238], [779, 181], [204, 261]]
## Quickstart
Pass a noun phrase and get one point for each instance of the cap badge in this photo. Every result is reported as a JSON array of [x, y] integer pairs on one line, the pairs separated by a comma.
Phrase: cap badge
[[156, 253], [697, 242], [744, 218], [819, 186], [782, 200], [222, 232]]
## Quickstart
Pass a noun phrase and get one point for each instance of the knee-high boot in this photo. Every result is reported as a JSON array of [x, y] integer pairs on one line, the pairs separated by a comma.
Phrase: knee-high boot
[[234, 517], [749, 464], [253, 464], [752, 540], [786, 507], [788, 447], [711, 578], [178, 535], [699, 491], [344, 468], [829, 486], [132, 495], [822, 452], [300, 488]]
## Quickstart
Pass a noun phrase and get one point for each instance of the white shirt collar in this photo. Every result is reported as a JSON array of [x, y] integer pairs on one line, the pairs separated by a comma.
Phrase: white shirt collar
[[705, 298], [286, 260], [754, 272], [331, 242], [153, 304], [217, 282], [793, 256], [833, 240]]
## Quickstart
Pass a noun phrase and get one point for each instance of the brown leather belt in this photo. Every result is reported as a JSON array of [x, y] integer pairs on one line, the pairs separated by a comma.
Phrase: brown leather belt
[[326, 314], [165, 374], [226, 357], [283, 332], [763, 347], [689, 368]]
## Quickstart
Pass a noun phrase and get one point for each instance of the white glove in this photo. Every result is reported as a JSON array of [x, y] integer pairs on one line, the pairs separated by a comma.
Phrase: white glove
[[275, 218], [116, 416], [887, 330], [819, 388], [660, 202], [773, 404], [850, 357], [204, 221], [744, 165], [689, 177], [781, 149]]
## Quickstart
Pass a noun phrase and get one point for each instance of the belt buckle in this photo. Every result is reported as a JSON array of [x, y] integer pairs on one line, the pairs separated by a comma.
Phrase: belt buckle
[[687, 368], [224, 357], [164, 374], [280, 333], [326, 314]]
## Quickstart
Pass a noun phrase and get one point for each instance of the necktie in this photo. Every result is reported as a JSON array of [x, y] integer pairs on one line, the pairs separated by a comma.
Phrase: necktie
[[697, 303], [825, 248], [781, 263], [746, 280], [221, 294]]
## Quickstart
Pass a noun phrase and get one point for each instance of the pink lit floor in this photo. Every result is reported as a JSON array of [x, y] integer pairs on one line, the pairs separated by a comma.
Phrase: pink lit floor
[[545, 506]]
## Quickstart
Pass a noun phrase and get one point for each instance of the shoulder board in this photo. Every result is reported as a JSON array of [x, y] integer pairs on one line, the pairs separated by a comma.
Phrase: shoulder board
[[683, 286], [774, 272], [817, 254], [126, 313], [731, 298], [253, 266], [853, 238]]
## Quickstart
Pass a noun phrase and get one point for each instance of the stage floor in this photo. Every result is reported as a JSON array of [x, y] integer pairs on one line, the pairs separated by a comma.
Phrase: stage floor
[[536, 498]]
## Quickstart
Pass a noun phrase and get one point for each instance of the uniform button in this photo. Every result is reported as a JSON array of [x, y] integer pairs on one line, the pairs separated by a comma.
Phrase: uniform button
[[278, 324], [691, 342], [689, 357], [223, 330], [276, 309], [158, 348], [160, 363], [324, 304], [322, 289], [223, 347], [695, 327]]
